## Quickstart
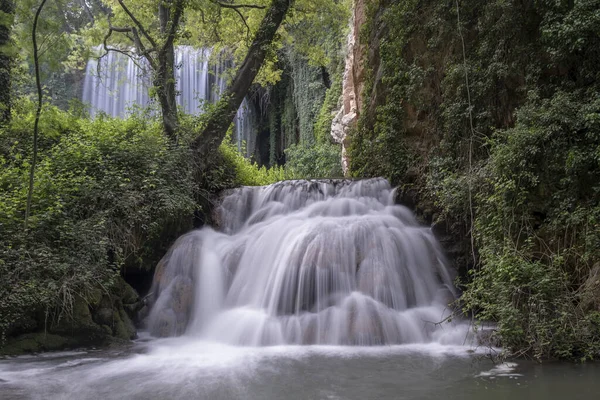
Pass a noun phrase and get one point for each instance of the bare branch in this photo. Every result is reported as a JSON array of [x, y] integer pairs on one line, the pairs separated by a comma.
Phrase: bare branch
[[138, 24], [142, 50], [129, 54], [202, 15], [236, 6], [134, 37], [245, 23], [120, 30]]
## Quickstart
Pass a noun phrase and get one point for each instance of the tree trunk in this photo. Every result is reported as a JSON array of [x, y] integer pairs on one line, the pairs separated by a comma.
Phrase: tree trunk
[[164, 84], [221, 118], [164, 81], [6, 18]]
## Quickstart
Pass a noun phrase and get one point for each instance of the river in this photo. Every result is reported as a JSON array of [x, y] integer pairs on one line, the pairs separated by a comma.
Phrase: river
[[309, 290], [191, 369]]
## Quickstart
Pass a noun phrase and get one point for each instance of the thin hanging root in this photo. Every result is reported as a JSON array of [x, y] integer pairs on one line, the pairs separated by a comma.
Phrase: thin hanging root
[[462, 39]]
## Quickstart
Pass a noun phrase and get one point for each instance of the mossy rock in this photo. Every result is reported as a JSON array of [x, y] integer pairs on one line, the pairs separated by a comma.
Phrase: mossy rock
[[122, 326], [80, 319], [34, 343], [95, 297], [125, 292], [104, 316]]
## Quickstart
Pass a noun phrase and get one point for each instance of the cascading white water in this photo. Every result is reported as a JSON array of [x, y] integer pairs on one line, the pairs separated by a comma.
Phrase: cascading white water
[[123, 83], [307, 262], [245, 135]]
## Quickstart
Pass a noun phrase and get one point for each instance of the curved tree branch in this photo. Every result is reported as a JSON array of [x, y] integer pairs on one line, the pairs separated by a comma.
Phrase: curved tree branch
[[236, 6], [217, 123], [245, 23], [141, 49]]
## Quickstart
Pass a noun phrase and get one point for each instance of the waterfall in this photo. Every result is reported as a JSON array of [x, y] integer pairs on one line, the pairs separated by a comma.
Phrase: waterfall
[[122, 83], [307, 262], [245, 136]]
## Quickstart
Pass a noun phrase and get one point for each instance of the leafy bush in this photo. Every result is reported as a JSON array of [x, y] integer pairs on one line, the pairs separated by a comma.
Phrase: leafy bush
[[539, 229], [511, 158], [314, 161], [248, 173], [104, 191]]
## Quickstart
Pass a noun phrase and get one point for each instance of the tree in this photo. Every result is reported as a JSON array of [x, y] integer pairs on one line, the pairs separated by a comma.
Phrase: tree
[[221, 118], [157, 49], [153, 35], [7, 10]]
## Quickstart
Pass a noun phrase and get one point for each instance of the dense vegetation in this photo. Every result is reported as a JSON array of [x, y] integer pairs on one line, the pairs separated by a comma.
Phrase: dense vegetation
[[106, 193], [110, 195], [485, 113], [490, 111]]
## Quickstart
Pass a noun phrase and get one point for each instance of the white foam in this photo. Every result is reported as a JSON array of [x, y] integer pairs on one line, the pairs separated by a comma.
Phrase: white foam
[[308, 262], [505, 369]]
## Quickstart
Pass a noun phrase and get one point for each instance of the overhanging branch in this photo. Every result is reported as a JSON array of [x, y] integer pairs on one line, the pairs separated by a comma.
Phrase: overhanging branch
[[138, 24], [107, 49], [245, 23], [236, 6]]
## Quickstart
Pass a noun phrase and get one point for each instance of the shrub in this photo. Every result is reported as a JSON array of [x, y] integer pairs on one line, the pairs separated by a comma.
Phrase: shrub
[[104, 191], [320, 160]]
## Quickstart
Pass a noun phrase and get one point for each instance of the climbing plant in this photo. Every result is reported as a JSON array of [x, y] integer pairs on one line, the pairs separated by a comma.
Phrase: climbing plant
[[488, 110]]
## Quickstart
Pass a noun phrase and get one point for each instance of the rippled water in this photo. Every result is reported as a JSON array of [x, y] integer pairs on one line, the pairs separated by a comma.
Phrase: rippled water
[[186, 369]]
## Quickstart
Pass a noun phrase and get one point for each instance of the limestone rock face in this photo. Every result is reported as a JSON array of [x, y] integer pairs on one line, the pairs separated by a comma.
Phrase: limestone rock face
[[353, 82]]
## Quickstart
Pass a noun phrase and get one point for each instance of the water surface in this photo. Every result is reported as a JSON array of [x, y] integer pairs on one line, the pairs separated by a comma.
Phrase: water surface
[[190, 369]]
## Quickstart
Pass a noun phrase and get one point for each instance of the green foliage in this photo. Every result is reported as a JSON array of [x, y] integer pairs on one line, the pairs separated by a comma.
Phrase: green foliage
[[534, 307], [379, 144], [538, 226], [322, 126], [320, 160], [104, 192], [289, 118], [317, 28], [382, 151], [61, 50], [248, 173], [309, 93], [528, 170]]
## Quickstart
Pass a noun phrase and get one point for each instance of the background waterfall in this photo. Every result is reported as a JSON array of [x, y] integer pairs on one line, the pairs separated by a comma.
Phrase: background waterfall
[[123, 83], [307, 262]]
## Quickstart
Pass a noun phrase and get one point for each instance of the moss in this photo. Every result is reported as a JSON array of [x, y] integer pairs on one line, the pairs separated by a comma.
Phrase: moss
[[94, 297], [125, 292], [308, 94], [124, 328], [34, 343], [328, 110], [508, 159]]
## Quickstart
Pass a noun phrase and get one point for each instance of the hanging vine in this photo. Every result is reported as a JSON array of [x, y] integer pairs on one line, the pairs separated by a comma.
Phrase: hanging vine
[[471, 136], [38, 111]]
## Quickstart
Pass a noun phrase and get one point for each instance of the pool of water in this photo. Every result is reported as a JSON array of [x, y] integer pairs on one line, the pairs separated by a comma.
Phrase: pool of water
[[190, 369]]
